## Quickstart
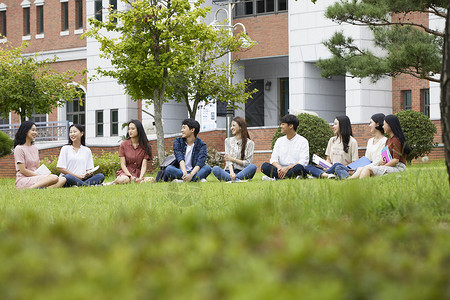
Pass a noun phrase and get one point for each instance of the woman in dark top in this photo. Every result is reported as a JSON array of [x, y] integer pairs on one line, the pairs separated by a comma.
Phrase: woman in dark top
[[397, 147], [134, 153]]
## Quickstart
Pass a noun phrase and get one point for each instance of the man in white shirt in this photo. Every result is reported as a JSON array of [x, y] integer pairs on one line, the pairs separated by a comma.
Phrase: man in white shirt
[[290, 154]]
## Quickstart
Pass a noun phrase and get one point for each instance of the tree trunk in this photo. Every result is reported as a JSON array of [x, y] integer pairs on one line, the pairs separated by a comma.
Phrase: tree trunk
[[445, 92], [158, 100]]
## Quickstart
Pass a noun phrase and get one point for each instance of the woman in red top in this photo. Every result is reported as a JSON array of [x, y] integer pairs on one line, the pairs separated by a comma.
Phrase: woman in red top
[[397, 147], [134, 153]]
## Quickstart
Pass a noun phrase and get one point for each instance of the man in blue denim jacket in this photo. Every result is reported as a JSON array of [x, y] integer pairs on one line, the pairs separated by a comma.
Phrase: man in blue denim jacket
[[190, 152]]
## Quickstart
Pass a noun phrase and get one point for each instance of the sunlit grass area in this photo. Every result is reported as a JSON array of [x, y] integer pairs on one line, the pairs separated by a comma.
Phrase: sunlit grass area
[[377, 238]]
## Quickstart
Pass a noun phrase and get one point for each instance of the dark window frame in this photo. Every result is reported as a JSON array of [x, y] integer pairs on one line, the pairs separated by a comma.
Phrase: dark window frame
[[425, 101], [113, 8], [64, 16], [98, 7], [114, 123], [406, 95], [3, 31], [75, 112], [79, 14], [4, 121], [26, 21], [260, 7], [40, 19], [98, 123]]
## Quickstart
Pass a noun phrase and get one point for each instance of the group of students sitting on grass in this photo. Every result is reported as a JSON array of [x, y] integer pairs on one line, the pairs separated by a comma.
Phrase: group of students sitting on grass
[[289, 159]]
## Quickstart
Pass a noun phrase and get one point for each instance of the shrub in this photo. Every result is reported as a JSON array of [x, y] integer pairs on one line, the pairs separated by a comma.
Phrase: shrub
[[108, 162], [6, 144], [315, 130], [419, 133]]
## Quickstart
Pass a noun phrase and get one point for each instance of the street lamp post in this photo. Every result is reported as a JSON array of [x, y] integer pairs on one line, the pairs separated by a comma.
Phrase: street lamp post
[[229, 12]]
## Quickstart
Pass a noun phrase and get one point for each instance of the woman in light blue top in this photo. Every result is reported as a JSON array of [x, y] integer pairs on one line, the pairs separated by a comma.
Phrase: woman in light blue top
[[238, 154]]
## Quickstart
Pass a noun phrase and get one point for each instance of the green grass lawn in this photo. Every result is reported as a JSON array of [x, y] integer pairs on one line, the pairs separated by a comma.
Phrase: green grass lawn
[[377, 238]]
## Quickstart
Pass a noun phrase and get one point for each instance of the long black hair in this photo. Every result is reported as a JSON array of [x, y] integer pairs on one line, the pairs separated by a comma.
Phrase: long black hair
[[345, 130], [379, 120], [244, 134], [81, 129], [396, 129], [142, 136], [21, 134]]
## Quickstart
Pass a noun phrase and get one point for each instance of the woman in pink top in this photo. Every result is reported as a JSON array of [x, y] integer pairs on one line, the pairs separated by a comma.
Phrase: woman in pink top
[[134, 153], [26, 157]]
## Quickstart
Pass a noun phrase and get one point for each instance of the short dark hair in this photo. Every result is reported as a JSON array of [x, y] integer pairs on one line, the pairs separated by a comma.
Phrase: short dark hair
[[21, 134], [192, 124], [290, 119]]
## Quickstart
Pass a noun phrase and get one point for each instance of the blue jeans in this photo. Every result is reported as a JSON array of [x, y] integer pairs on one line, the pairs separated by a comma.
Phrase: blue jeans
[[339, 169], [93, 180], [176, 173], [248, 173], [271, 171]]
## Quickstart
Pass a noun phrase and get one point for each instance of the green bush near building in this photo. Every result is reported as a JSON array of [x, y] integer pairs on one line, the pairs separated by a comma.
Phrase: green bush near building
[[419, 133], [108, 162], [6, 144], [314, 129]]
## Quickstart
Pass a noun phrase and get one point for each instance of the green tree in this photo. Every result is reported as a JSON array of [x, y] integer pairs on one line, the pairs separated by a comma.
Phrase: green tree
[[408, 47], [205, 78], [149, 43], [30, 85]]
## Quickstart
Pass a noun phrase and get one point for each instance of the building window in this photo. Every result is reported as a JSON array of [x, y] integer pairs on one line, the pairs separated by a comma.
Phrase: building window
[[79, 14], [284, 96], [113, 8], [425, 101], [406, 100], [40, 19], [98, 10], [64, 16], [260, 7], [114, 122], [75, 110], [37, 118], [3, 24], [99, 122], [4, 121], [26, 21]]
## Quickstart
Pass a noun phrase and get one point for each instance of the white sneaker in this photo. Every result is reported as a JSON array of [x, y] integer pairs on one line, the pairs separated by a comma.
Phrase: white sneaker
[[299, 177], [108, 183], [331, 176], [267, 178], [203, 180], [177, 180]]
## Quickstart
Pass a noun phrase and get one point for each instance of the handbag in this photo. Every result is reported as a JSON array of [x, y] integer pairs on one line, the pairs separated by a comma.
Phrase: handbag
[[169, 161]]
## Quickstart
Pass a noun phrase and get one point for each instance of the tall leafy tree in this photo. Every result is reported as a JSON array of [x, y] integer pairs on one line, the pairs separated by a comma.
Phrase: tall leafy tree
[[147, 44], [408, 46], [30, 85], [207, 79]]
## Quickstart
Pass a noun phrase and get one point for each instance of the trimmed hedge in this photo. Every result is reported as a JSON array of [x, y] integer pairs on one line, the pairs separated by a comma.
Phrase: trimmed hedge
[[419, 133], [315, 129], [6, 144], [108, 163]]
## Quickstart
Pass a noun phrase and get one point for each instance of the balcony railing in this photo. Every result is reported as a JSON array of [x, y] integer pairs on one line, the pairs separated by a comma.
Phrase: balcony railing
[[46, 131]]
